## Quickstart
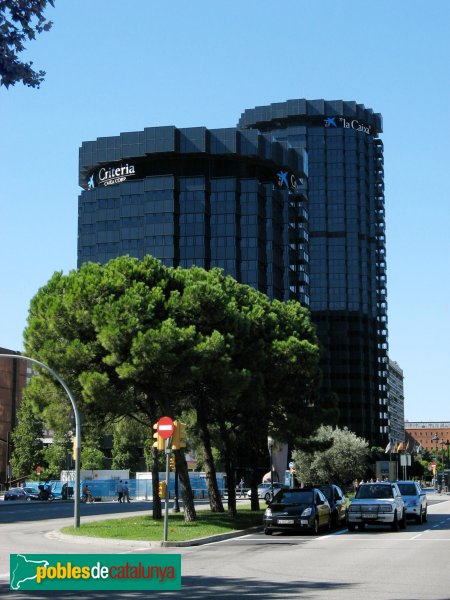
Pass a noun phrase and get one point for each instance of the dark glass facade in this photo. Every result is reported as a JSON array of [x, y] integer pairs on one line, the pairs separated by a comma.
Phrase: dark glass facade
[[214, 198], [347, 266], [290, 202]]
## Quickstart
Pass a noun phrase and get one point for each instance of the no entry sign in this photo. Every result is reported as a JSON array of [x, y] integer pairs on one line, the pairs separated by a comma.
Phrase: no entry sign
[[165, 427]]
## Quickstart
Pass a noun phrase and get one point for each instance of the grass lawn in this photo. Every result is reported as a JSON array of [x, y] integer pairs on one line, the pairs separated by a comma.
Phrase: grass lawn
[[145, 528]]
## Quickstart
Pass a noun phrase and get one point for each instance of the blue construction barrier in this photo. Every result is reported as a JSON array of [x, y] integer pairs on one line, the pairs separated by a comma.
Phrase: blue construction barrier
[[139, 489]]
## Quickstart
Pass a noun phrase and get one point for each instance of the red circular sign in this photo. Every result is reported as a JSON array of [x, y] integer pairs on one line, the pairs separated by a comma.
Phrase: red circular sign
[[165, 427]]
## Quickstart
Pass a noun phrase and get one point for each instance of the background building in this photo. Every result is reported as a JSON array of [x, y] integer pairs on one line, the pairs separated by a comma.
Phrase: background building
[[396, 406], [14, 375], [433, 437], [291, 202]]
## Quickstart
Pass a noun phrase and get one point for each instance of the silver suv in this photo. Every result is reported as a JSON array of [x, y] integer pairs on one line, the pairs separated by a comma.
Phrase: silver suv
[[415, 500], [378, 504]]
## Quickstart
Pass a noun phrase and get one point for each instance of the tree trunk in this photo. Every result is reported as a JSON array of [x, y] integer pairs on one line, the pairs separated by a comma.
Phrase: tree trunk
[[229, 468], [186, 490], [157, 512], [254, 482], [215, 500]]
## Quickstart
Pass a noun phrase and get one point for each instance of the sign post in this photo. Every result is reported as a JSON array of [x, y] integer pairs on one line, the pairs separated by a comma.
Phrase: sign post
[[165, 429]]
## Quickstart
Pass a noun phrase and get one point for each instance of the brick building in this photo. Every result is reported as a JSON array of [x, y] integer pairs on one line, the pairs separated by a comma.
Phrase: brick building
[[13, 378]]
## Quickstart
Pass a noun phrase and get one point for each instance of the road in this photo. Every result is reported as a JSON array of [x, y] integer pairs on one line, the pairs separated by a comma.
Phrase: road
[[375, 564]]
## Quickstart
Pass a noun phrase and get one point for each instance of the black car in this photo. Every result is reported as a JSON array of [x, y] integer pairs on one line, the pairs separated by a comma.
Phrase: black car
[[297, 509], [22, 494], [337, 502]]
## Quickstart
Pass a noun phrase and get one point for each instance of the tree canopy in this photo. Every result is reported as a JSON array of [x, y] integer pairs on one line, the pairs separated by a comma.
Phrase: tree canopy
[[135, 339], [20, 21], [343, 461]]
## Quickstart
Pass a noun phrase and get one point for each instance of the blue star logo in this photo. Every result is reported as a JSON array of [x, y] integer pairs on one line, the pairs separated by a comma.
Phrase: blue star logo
[[330, 121], [282, 178]]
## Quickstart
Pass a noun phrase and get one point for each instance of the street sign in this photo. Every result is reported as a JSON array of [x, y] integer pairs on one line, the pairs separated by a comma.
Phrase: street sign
[[165, 427]]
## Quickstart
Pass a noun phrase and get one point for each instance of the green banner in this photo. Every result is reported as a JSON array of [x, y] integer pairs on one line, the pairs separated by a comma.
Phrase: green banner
[[95, 572]]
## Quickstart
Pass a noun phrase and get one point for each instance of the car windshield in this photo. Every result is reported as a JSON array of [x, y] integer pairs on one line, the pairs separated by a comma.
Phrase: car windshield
[[374, 491], [407, 489], [295, 497]]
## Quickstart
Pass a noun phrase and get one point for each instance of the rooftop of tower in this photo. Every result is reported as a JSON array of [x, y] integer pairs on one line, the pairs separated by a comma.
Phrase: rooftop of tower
[[302, 111]]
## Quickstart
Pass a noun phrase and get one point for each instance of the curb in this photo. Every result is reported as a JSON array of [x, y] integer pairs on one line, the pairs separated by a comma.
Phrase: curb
[[80, 539]]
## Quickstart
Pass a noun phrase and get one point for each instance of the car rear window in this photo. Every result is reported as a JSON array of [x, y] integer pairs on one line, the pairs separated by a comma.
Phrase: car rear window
[[294, 497], [407, 489]]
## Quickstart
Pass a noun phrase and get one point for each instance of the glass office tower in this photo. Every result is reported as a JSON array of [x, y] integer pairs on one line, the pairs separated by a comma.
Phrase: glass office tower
[[214, 198], [290, 202], [347, 266]]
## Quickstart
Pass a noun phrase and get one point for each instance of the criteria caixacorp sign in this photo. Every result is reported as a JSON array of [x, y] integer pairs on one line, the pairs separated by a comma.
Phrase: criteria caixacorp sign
[[95, 572]]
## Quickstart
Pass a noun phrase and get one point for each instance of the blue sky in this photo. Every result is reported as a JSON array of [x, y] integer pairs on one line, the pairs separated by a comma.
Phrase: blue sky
[[115, 66]]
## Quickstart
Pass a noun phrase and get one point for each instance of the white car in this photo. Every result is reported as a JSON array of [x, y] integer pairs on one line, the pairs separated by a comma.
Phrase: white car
[[415, 500], [265, 492], [378, 504]]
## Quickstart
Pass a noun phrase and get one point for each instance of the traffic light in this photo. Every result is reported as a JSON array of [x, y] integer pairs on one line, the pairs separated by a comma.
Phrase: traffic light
[[172, 463], [179, 435], [162, 489], [159, 443]]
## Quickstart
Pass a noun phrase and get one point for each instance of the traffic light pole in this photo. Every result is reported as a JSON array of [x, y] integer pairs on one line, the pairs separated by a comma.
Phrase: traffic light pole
[[166, 508]]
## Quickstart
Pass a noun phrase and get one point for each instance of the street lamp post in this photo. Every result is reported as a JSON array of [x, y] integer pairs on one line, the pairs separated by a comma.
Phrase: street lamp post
[[435, 438], [77, 429], [447, 443], [270, 445], [442, 459]]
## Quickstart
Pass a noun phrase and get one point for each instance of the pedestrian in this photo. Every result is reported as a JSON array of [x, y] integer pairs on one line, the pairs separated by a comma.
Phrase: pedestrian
[[126, 492], [87, 494], [241, 487], [120, 491]]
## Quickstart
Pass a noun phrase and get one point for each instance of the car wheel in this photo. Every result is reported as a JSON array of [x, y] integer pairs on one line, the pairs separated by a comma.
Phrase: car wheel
[[334, 520], [28, 498], [425, 515], [267, 497], [419, 517], [315, 527], [268, 531], [394, 524], [403, 521], [351, 526], [329, 523], [361, 526]]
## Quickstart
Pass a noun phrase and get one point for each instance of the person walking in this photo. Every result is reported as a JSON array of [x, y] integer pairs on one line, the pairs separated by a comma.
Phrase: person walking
[[241, 487], [126, 492], [87, 497], [120, 491]]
